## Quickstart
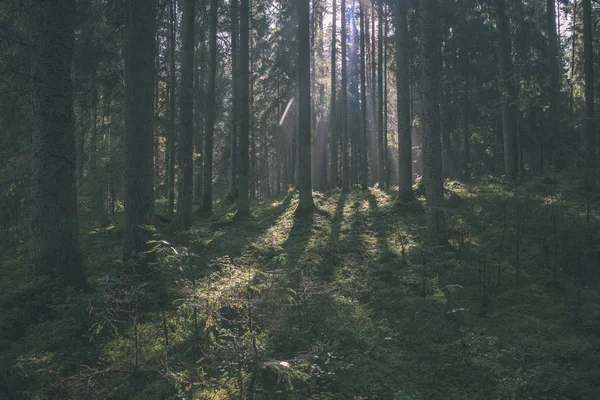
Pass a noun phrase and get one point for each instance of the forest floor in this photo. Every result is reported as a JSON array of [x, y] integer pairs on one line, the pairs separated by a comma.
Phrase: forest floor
[[345, 303]]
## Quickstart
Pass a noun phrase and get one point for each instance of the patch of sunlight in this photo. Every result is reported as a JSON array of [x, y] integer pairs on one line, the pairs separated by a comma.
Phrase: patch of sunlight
[[277, 203], [383, 198], [277, 234]]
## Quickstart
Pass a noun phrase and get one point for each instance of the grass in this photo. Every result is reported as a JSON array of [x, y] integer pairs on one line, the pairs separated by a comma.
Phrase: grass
[[345, 303]]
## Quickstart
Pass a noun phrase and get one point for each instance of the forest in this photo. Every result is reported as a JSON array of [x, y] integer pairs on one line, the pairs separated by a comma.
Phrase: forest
[[307, 199]]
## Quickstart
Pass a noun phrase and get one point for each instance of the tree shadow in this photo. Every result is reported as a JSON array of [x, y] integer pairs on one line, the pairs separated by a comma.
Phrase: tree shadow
[[297, 242], [331, 260], [231, 236], [387, 260]]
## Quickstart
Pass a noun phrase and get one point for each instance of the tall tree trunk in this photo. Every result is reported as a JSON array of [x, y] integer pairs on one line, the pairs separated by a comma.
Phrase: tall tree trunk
[[382, 150], [590, 134], [211, 108], [139, 178], [344, 105], [244, 93], [385, 100], [172, 135], [507, 92], [432, 146], [235, 101], [466, 133], [156, 102], [200, 103], [333, 145], [306, 203], [54, 236], [573, 41], [321, 127], [363, 101], [403, 104], [186, 192], [554, 81]]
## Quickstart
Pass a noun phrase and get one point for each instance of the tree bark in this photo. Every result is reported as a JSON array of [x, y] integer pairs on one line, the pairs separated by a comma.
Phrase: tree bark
[[466, 132], [244, 93], [234, 102], [186, 163], [432, 146], [333, 144], [507, 92], [403, 104], [554, 80], [344, 105], [172, 135], [590, 134], [54, 237], [380, 132], [210, 109], [306, 203], [200, 103], [363, 102], [139, 90]]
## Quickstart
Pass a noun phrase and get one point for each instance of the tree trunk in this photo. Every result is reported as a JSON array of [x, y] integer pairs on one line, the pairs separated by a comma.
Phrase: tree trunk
[[210, 109], [554, 81], [306, 203], [54, 237], [235, 101], [380, 132], [139, 91], [432, 146], [333, 145], [507, 92], [388, 169], [363, 101], [466, 133], [573, 41], [244, 93], [403, 104], [172, 135], [590, 134], [186, 163], [200, 102], [344, 105]]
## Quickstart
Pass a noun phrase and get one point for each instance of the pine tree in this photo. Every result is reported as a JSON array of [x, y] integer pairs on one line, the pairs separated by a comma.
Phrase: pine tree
[[139, 111], [54, 242]]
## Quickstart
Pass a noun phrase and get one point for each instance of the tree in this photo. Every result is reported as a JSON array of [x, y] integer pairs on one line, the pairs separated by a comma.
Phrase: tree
[[186, 194], [199, 104], [403, 104], [344, 105], [333, 180], [554, 77], [234, 102], [139, 92], [305, 203], [432, 146], [380, 132], [466, 109], [210, 108], [54, 227], [363, 102], [172, 135], [244, 93], [590, 134], [507, 93]]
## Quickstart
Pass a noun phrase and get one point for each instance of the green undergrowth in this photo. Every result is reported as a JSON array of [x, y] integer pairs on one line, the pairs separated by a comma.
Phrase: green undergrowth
[[344, 303]]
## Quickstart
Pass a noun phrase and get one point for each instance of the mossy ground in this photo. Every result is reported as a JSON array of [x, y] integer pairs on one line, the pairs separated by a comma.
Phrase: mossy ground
[[346, 303]]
